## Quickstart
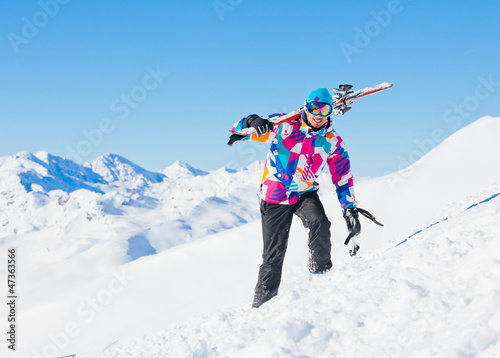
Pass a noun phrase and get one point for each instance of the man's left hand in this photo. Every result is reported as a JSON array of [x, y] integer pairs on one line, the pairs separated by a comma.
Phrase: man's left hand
[[351, 217]]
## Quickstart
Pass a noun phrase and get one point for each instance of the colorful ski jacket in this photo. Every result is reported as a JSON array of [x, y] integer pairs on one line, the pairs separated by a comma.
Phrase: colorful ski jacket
[[297, 157]]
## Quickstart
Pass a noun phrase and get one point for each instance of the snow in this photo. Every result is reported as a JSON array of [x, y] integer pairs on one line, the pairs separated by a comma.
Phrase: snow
[[113, 168], [417, 300], [180, 169], [116, 261]]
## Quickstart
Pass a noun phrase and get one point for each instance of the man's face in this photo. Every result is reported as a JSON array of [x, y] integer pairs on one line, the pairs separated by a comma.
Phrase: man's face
[[315, 120]]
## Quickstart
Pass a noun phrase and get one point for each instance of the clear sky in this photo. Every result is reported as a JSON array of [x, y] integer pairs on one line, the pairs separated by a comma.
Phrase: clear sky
[[158, 81]]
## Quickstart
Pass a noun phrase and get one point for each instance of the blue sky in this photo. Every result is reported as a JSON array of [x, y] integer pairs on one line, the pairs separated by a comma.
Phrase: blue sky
[[160, 81]]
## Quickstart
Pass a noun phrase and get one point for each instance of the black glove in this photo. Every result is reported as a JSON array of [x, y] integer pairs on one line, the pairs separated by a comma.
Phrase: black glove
[[351, 217], [261, 125]]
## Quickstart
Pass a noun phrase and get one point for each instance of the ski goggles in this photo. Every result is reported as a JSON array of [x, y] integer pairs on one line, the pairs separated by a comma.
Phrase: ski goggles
[[318, 108]]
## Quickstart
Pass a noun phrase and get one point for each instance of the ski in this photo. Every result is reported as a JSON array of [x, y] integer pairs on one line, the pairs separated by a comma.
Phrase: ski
[[343, 97]]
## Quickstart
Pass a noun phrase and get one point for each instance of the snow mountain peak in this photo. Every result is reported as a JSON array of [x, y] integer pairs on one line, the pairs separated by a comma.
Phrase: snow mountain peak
[[115, 168], [180, 169], [46, 172]]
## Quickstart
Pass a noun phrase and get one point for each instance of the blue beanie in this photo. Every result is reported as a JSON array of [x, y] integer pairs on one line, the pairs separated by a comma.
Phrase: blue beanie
[[320, 95]]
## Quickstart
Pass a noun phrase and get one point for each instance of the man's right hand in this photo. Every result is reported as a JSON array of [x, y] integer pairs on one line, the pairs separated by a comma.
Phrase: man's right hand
[[260, 124]]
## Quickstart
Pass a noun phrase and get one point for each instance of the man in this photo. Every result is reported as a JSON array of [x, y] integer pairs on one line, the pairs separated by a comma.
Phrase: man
[[299, 151]]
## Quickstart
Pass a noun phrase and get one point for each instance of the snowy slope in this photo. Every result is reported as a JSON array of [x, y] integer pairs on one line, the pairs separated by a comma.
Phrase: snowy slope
[[436, 295], [118, 252], [77, 225]]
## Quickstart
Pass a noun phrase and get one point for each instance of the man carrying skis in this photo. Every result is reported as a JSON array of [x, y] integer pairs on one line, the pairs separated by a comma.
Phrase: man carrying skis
[[299, 151]]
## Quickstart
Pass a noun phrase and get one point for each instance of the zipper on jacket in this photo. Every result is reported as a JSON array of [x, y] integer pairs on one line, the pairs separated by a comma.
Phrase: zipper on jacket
[[309, 167]]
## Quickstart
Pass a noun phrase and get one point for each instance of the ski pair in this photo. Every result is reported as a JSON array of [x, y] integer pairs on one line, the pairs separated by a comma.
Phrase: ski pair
[[341, 103]]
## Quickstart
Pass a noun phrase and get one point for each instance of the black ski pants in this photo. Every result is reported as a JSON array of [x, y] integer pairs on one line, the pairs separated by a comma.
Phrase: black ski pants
[[276, 222]]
